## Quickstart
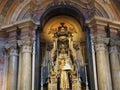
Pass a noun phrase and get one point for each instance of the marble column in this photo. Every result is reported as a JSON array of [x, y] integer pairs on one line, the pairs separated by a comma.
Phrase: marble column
[[12, 69], [115, 67], [26, 67], [103, 69], [94, 65], [33, 65]]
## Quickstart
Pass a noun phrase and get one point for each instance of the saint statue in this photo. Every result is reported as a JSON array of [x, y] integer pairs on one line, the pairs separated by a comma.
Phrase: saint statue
[[64, 79], [64, 68]]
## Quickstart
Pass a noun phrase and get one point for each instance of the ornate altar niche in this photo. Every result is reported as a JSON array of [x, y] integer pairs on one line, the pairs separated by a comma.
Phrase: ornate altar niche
[[64, 59]]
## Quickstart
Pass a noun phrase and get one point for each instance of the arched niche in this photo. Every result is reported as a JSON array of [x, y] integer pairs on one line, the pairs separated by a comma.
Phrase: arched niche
[[61, 35], [59, 10], [50, 21], [72, 25]]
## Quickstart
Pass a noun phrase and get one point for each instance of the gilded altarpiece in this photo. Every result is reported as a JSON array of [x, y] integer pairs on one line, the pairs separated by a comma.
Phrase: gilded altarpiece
[[63, 55]]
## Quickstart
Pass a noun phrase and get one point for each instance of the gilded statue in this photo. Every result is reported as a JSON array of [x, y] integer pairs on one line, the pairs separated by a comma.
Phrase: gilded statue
[[64, 80], [64, 68]]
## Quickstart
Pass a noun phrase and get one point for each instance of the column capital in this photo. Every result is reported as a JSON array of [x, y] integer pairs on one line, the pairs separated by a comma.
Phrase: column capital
[[113, 49], [26, 45], [100, 46], [13, 51], [115, 42], [26, 41], [100, 38], [12, 44], [26, 49]]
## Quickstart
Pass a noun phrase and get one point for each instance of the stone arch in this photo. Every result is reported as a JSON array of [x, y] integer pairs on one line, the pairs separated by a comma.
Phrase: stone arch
[[9, 10], [99, 11], [20, 12], [24, 14], [80, 5], [104, 10], [63, 10]]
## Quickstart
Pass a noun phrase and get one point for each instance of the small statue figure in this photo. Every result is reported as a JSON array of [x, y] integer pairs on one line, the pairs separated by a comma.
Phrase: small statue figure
[[64, 68], [64, 79]]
